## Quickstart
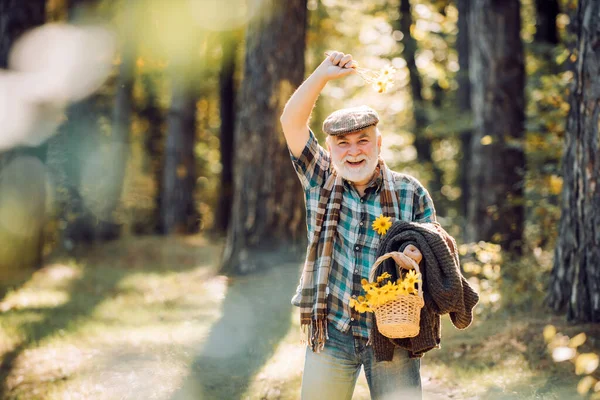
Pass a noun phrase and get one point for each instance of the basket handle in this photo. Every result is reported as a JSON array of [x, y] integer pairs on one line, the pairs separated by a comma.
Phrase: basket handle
[[401, 260]]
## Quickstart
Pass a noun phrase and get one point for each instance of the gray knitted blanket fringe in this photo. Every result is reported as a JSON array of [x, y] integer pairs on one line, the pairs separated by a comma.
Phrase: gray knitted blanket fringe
[[445, 290]]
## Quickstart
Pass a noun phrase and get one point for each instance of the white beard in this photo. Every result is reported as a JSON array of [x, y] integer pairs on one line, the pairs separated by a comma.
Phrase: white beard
[[354, 174]]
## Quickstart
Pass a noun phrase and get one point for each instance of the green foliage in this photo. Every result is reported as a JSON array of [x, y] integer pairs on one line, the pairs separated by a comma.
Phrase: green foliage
[[481, 263], [505, 284], [548, 89], [166, 36]]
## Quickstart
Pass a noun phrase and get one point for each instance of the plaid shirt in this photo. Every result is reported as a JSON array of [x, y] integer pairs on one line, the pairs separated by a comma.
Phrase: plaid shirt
[[355, 245]]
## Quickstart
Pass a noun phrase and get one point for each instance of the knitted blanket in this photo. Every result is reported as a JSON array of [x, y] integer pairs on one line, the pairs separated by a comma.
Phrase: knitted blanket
[[445, 290]]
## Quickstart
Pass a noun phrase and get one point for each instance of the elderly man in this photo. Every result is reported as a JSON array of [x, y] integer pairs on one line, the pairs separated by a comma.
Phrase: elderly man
[[346, 188]]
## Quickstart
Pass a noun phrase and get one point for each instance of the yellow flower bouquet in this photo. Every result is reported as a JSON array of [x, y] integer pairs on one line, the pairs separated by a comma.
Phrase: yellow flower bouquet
[[385, 290], [396, 304]]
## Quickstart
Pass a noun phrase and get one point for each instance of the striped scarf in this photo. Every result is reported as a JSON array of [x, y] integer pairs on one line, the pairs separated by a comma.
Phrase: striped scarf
[[315, 275]]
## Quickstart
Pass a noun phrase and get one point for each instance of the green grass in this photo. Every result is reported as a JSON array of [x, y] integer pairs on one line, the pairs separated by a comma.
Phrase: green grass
[[150, 318]]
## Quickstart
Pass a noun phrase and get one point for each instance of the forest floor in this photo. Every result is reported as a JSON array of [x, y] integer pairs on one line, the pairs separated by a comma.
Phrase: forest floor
[[150, 318]]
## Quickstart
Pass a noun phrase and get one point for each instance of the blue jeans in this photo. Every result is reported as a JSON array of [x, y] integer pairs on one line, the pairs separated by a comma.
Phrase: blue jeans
[[332, 373]]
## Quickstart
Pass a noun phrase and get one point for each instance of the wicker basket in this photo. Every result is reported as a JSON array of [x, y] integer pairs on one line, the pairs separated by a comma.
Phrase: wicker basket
[[399, 318]]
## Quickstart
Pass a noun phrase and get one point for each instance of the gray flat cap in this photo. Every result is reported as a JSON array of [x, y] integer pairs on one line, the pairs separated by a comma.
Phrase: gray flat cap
[[348, 120]]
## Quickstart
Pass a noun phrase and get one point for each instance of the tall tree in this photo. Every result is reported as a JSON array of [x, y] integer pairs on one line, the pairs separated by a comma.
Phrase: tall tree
[[496, 67], [16, 17], [227, 113], [575, 279], [422, 143], [179, 214], [22, 170], [410, 51], [545, 21], [267, 209], [154, 143], [118, 142], [318, 26], [464, 98], [69, 151]]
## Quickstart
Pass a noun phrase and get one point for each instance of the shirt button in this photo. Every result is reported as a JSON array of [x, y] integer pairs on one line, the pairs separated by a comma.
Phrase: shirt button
[[353, 296], [362, 201], [361, 223], [356, 248], [356, 271]]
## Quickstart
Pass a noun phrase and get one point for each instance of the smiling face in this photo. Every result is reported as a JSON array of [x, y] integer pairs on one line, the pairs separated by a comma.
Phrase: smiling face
[[355, 155]]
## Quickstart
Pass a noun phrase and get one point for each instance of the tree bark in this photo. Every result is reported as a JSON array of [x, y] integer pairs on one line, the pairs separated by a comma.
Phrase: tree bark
[[22, 170], [227, 111], [575, 280], [464, 99], [179, 213], [422, 143], [118, 143], [495, 211], [155, 146], [70, 151], [16, 17], [268, 206], [545, 21], [410, 51]]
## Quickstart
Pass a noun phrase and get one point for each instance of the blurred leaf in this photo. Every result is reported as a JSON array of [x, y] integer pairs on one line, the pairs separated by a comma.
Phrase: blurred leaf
[[578, 340], [586, 363], [486, 140], [585, 384]]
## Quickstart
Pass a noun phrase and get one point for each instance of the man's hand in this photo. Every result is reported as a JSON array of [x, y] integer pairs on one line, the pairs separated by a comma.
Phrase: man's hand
[[294, 119], [336, 65], [413, 252]]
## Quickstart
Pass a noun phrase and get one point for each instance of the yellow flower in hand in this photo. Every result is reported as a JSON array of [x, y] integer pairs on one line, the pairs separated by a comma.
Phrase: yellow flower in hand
[[388, 72], [382, 224], [384, 79]]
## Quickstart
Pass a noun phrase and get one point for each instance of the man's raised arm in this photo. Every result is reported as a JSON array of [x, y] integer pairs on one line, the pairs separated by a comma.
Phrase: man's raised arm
[[296, 113]]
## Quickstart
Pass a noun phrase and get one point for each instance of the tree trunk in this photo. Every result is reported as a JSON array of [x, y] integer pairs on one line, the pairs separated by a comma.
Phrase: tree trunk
[[16, 17], [115, 164], [545, 21], [317, 29], [464, 99], [575, 279], [495, 210], [227, 111], [409, 53], [179, 213], [22, 170], [155, 146], [70, 152], [268, 206], [422, 143]]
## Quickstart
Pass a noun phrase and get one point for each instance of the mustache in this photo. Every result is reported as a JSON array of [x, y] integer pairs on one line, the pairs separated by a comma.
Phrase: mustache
[[355, 159]]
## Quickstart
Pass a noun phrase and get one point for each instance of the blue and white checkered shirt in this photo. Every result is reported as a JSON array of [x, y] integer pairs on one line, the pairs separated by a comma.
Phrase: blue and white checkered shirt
[[355, 244]]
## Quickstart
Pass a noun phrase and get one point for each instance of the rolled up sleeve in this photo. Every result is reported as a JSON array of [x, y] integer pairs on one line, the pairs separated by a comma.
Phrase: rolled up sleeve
[[313, 164], [423, 208]]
